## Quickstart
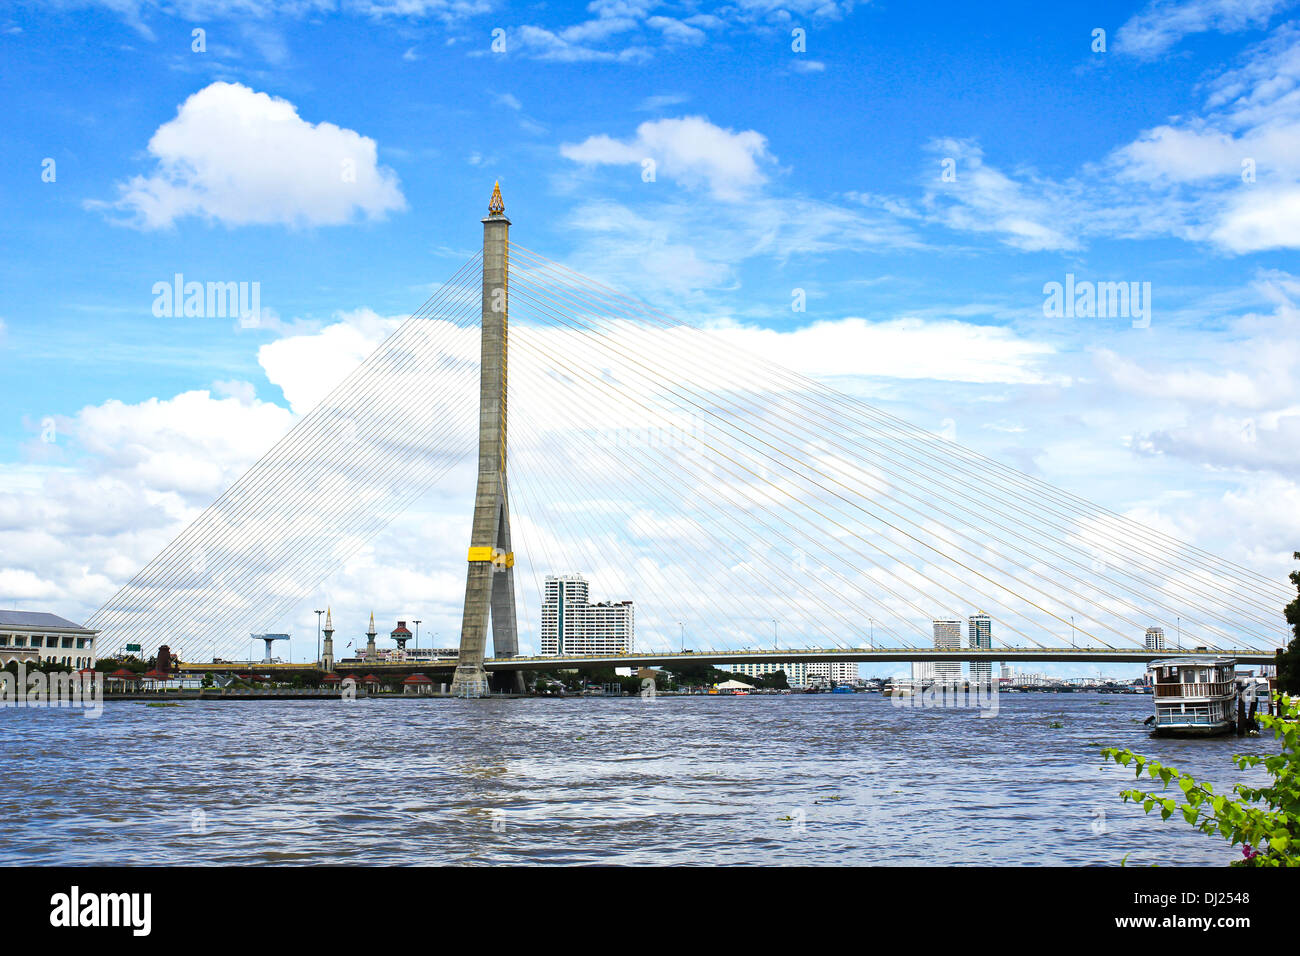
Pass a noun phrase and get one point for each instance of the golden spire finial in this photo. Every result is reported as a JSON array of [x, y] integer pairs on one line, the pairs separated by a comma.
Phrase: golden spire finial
[[329, 618], [496, 205]]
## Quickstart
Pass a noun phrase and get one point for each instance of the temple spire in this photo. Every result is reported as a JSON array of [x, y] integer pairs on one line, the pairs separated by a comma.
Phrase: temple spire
[[496, 205]]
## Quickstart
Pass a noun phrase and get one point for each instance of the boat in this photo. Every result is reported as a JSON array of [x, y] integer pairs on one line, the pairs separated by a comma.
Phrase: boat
[[900, 688], [1194, 696]]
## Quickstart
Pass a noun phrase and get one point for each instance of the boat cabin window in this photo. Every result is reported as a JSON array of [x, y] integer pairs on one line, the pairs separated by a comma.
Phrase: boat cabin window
[[1189, 676]]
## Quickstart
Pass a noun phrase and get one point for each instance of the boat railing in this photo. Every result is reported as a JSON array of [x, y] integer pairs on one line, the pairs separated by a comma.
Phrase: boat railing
[[1218, 689], [1178, 719]]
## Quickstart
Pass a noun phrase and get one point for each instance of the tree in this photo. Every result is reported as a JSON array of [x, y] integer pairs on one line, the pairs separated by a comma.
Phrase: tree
[[1288, 669], [1265, 820]]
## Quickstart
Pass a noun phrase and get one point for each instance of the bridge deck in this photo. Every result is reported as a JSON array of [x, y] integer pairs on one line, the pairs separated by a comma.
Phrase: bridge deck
[[1055, 655]]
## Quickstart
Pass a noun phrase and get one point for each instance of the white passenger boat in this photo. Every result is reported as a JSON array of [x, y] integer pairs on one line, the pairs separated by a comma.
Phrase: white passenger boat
[[1194, 696]]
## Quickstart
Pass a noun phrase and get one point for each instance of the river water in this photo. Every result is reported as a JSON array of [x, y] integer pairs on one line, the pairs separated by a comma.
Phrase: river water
[[800, 779]]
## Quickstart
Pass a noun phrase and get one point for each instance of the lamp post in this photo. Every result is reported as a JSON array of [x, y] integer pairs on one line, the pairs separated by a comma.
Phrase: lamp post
[[871, 634], [417, 633], [1072, 638], [318, 614], [683, 627], [774, 647]]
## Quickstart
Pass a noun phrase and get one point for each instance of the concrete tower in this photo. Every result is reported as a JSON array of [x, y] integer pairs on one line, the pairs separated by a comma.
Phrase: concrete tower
[[371, 653], [327, 655], [490, 583]]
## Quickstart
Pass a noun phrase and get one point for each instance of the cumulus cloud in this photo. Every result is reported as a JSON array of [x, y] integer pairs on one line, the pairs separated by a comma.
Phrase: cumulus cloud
[[690, 150], [307, 366], [1268, 219], [1230, 175], [239, 157]]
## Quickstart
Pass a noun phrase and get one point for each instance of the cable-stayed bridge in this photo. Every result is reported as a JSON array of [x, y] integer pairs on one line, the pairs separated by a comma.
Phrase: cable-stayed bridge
[[707, 484]]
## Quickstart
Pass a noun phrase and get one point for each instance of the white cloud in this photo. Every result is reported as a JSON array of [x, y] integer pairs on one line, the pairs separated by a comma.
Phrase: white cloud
[[678, 30], [309, 365], [905, 348], [1165, 22], [691, 150], [239, 157], [1237, 401], [984, 199], [1255, 221], [1241, 155], [1180, 155]]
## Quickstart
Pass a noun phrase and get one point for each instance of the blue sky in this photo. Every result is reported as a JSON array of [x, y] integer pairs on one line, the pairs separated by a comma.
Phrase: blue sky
[[776, 170]]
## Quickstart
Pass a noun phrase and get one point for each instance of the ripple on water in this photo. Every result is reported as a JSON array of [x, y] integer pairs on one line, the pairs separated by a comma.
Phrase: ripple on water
[[799, 779]]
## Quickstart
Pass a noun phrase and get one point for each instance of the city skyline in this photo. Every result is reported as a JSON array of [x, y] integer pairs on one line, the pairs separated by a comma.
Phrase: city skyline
[[1149, 419]]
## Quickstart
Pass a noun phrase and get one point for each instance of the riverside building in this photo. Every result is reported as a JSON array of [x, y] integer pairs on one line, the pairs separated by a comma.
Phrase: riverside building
[[36, 636], [947, 637], [980, 634], [838, 672], [797, 673], [573, 625]]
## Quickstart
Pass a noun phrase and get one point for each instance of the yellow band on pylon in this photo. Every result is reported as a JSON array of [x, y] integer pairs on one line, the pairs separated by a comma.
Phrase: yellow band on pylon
[[492, 554]]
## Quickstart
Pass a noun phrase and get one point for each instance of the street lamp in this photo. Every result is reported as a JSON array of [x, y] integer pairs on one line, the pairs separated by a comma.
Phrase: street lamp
[[417, 634], [318, 614], [683, 627], [774, 647], [1072, 638], [871, 639]]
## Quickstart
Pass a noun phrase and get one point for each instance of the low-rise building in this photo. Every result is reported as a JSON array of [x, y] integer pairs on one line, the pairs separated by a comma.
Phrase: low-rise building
[[796, 672], [37, 636]]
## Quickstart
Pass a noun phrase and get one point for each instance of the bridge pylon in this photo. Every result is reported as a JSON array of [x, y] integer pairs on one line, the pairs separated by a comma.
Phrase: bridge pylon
[[490, 581]]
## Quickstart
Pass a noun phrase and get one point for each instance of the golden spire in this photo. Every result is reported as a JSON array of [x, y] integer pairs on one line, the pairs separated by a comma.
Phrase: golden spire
[[329, 622], [496, 205]]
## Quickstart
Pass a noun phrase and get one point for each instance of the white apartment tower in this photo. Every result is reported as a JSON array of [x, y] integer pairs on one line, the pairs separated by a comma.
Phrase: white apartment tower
[[980, 634], [840, 672], [573, 625], [1155, 638], [947, 637]]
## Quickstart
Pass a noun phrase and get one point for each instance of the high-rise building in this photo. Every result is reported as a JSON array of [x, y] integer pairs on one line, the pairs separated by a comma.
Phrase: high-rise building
[[572, 625], [947, 637], [980, 634], [1155, 638]]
